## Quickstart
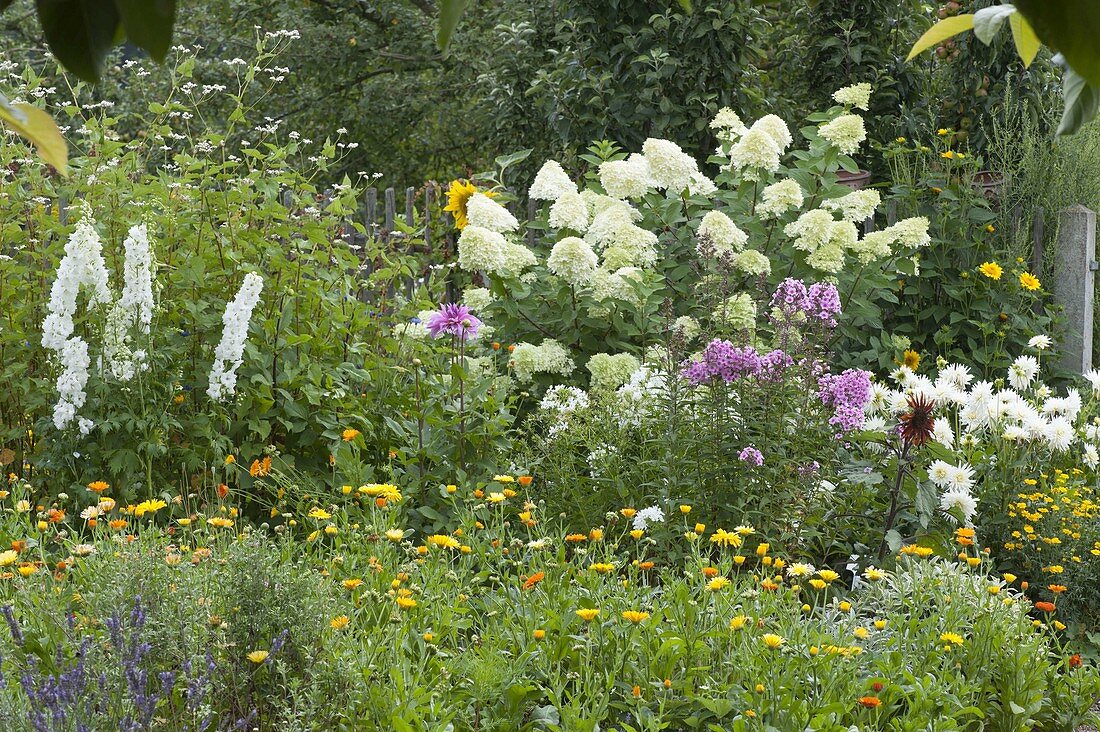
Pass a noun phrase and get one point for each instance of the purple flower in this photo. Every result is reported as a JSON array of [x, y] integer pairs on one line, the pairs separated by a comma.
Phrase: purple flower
[[752, 456], [823, 300], [774, 364], [847, 393], [820, 302], [722, 360], [453, 319]]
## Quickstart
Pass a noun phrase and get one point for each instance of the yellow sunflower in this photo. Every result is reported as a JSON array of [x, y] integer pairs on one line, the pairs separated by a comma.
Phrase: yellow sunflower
[[458, 195], [1029, 281], [992, 270]]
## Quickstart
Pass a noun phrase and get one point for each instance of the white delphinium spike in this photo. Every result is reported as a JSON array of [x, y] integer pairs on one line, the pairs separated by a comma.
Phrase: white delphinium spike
[[230, 351], [134, 308], [81, 267], [70, 384]]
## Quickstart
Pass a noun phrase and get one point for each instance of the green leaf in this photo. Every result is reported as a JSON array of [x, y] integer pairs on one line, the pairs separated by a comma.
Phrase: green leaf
[[988, 20], [1027, 43], [1071, 27], [148, 24], [1082, 100], [686, 6], [79, 33], [39, 128], [450, 12], [940, 32]]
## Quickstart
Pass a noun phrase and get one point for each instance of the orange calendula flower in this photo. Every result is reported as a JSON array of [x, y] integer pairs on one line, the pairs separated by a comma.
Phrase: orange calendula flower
[[525, 480], [1057, 589], [1045, 607], [869, 701], [98, 486], [533, 580], [352, 583], [635, 616], [340, 622], [350, 434], [576, 538]]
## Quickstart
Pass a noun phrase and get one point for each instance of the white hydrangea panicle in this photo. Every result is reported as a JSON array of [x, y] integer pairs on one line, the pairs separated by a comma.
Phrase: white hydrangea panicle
[[485, 212], [811, 230], [480, 249], [728, 120], [846, 133], [756, 152], [631, 246], [230, 351], [573, 260], [911, 232], [516, 259], [477, 298], [82, 267], [569, 212], [687, 328], [700, 185], [856, 206], [610, 217], [874, 245], [551, 182], [774, 127], [670, 167], [629, 178], [857, 96], [71, 384], [719, 232], [610, 371], [778, 198], [753, 263], [549, 357]]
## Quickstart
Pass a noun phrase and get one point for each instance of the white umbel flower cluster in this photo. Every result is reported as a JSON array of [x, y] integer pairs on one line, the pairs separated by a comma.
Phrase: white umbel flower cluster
[[230, 351]]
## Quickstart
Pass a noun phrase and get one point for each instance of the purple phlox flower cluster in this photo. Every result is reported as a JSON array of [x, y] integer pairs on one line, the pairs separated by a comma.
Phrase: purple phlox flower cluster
[[847, 393], [722, 360], [774, 364], [455, 320], [752, 456], [820, 301], [808, 469]]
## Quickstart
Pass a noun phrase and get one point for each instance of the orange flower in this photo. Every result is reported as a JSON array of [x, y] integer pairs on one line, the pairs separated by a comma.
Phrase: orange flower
[[576, 538], [637, 691], [117, 524], [870, 701], [98, 486], [645, 565], [710, 572], [534, 580], [1057, 589], [525, 480], [1044, 606], [1075, 660], [55, 515]]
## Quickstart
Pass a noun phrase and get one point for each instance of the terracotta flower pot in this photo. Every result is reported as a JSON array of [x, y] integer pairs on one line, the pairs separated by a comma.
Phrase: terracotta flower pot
[[989, 183], [855, 181]]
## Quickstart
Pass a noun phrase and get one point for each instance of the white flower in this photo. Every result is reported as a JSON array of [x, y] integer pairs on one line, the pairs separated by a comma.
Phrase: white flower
[[230, 351], [134, 308], [911, 232], [940, 472], [550, 183], [856, 206], [957, 375], [961, 478], [775, 128], [516, 259], [549, 357], [648, 516], [810, 230], [480, 249], [71, 382], [722, 234], [701, 185], [856, 95], [753, 263], [574, 261], [485, 212], [1014, 433], [828, 258], [1093, 377], [687, 326], [564, 399], [82, 267], [477, 298], [629, 178], [1040, 342], [610, 371], [631, 246], [1059, 434], [727, 119], [1090, 456], [962, 501], [845, 133], [569, 212], [670, 167], [609, 219], [942, 433], [800, 569], [756, 151], [778, 198], [1022, 372]]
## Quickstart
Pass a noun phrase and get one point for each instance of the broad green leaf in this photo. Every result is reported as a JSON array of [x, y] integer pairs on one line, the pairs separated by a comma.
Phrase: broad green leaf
[[450, 12], [1071, 27], [1082, 100], [686, 5], [148, 24], [39, 128], [80, 32], [1027, 43], [988, 20], [940, 32]]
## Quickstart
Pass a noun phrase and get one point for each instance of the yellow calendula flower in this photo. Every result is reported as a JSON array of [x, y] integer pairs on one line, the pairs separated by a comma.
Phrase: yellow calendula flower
[[773, 641], [148, 507], [718, 583], [340, 622], [828, 575], [440, 540], [351, 584], [635, 616], [738, 622], [395, 535], [1029, 281], [405, 603], [258, 656], [8, 558], [721, 537], [219, 522], [603, 567], [350, 434], [951, 639], [992, 270], [588, 614], [818, 584], [861, 633], [320, 514]]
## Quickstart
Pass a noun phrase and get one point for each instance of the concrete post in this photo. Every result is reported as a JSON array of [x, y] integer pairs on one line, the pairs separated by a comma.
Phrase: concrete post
[[1074, 284]]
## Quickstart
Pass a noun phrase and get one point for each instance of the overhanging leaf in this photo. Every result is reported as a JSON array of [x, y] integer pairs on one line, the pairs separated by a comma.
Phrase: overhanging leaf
[[940, 32], [1071, 27], [686, 6], [1027, 43], [39, 128], [450, 12], [988, 20], [148, 24], [1082, 100], [79, 33]]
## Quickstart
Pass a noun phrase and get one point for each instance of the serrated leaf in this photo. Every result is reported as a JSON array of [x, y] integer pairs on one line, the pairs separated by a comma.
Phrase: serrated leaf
[[1027, 43], [39, 128], [450, 12], [1082, 100], [148, 24], [940, 32], [79, 33], [987, 21]]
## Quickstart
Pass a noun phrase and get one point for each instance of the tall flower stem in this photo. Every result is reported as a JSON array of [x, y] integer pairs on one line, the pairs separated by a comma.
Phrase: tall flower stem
[[892, 514]]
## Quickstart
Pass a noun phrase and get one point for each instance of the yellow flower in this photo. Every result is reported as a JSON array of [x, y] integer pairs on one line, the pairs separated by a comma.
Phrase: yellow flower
[[637, 533], [496, 497], [540, 634], [603, 567], [27, 569], [762, 549], [635, 616], [738, 622], [718, 583], [395, 535], [504, 479], [685, 509], [7, 558], [219, 522], [230, 459], [149, 507], [949, 154], [320, 514], [1009, 577], [942, 132], [721, 537], [350, 434], [773, 641], [458, 195], [845, 606], [817, 584], [258, 656], [951, 639], [828, 575], [1029, 281], [861, 633], [700, 528], [992, 270], [340, 622], [588, 614], [880, 624], [744, 530], [911, 359], [441, 540], [351, 584], [405, 603]]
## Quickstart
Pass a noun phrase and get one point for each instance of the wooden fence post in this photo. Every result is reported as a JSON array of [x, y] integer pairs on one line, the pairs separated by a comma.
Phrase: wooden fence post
[[1074, 284]]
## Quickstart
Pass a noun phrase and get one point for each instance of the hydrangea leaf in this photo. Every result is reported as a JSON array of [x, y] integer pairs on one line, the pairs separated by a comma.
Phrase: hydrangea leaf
[[39, 128], [940, 32]]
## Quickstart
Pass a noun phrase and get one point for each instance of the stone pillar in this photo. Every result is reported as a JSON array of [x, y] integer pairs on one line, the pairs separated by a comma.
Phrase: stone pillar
[[1074, 284]]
